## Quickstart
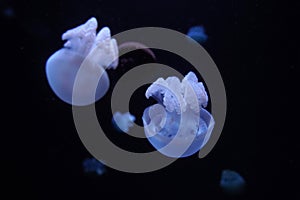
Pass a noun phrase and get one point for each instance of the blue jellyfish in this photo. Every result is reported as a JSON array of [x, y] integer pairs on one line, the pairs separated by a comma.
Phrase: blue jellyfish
[[122, 122], [178, 125], [93, 166], [232, 182], [9, 12], [83, 49], [197, 33]]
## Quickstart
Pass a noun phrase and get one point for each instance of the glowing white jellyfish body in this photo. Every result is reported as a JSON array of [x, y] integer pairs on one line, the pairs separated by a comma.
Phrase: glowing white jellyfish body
[[178, 126], [123, 121], [83, 48]]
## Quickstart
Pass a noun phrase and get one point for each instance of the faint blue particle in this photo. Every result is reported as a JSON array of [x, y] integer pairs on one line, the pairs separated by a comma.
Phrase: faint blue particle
[[197, 33], [92, 165], [232, 182]]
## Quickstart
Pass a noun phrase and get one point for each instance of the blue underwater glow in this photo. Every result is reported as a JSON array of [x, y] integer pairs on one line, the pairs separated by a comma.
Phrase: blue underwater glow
[[197, 33]]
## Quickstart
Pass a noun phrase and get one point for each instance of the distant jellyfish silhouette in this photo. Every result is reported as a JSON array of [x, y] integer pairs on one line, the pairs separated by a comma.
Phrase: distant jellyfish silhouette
[[178, 126], [9, 12], [197, 33], [93, 166], [83, 48], [232, 182], [122, 122]]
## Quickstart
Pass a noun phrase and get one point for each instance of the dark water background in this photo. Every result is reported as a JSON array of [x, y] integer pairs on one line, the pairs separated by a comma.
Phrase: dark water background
[[255, 45]]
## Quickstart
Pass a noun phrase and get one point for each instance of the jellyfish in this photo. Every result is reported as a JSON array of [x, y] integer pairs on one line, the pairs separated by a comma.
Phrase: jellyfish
[[93, 166], [122, 122], [83, 48], [9, 12], [197, 33], [232, 182], [178, 125]]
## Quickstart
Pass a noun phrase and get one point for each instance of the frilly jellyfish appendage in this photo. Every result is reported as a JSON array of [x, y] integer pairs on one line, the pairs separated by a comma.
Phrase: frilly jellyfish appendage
[[122, 122], [162, 121], [83, 49]]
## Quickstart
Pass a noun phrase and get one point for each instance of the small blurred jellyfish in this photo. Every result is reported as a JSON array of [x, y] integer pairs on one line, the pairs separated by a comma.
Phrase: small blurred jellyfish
[[178, 126], [92, 53], [197, 33], [9, 12], [232, 182], [93, 166], [122, 122]]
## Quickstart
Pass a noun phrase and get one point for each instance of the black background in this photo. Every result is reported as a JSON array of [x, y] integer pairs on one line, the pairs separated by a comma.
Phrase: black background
[[256, 48]]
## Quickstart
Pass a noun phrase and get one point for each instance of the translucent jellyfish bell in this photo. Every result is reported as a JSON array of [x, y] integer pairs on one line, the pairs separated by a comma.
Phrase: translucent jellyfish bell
[[232, 182], [198, 34], [83, 49], [178, 126]]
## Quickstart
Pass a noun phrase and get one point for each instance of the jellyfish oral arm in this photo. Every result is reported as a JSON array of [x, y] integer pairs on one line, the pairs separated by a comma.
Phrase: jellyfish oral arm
[[104, 54], [81, 38]]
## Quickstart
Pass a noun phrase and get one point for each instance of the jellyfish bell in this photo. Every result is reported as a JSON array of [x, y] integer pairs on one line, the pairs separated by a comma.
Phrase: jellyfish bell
[[87, 53], [232, 182], [159, 139], [178, 126], [197, 33], [61, 69]]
